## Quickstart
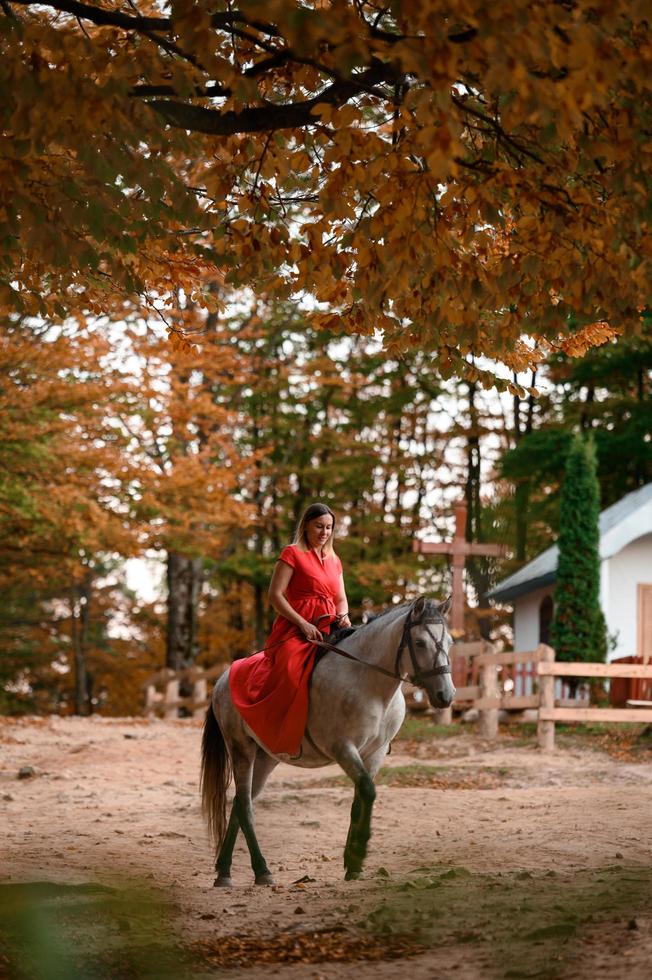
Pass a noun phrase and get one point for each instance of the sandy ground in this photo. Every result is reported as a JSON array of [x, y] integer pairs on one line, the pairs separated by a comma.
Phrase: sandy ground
[[475, 849]]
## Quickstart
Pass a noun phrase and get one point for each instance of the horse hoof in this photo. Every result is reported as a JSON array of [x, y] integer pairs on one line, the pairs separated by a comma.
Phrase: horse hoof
[[265, 879], [223, 881], [353, 875]]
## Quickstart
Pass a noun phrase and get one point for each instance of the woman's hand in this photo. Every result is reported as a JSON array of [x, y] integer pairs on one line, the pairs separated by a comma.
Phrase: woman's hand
[[343, 621], [310, 632]]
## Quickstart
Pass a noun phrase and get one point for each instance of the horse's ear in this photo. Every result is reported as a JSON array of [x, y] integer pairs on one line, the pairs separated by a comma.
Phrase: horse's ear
[[445, 606], [419, 607]]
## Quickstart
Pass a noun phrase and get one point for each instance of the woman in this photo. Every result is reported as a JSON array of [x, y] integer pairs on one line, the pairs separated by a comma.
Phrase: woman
[[270, 688]]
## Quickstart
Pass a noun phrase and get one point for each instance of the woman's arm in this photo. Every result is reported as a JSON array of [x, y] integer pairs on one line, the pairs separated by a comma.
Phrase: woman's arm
[[277, 589], [342, 604]]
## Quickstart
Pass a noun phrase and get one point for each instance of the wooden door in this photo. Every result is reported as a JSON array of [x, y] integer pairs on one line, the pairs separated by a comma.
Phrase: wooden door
[[644, 646]]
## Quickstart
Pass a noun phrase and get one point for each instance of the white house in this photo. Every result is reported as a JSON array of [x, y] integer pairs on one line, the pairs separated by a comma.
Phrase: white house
[[625, 581]]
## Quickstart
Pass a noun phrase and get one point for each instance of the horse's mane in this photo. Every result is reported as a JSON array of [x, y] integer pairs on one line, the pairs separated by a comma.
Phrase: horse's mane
[[430, 608], [373, 617]]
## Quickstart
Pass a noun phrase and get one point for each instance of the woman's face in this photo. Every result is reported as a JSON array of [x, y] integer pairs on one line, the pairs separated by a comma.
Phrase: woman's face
[[319, 530]]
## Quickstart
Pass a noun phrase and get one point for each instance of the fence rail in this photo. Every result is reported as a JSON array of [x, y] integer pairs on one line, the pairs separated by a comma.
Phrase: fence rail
[[549, 713], [167, 701], [162, 689], [595, 670]]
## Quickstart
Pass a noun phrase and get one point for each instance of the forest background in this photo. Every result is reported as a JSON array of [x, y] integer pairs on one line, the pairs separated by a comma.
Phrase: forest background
[[115, 446], [380, 226]]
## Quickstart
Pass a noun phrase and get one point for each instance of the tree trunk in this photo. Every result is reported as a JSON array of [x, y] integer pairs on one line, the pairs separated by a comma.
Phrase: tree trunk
[[184, 582], [259, 616], [477, 568], [522, 493], [79, 622], [521, 502]]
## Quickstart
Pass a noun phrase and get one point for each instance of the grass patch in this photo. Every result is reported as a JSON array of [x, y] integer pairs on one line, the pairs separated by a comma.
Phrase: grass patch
[[525, 924], [421, 728], [55, 931], [441, 777], [629, 742], [419, 775]]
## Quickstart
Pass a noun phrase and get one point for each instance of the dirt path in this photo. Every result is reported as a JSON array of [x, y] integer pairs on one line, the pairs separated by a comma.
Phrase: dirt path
[[485, 861]]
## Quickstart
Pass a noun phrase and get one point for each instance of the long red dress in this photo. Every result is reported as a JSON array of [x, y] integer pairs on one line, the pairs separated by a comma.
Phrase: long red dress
[[270, 688]]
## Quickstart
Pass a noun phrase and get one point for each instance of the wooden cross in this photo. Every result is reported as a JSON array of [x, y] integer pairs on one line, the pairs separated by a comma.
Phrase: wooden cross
[[459, 548]]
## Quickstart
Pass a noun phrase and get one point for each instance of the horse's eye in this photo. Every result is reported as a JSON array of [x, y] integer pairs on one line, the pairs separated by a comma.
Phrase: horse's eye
[[420, 643]]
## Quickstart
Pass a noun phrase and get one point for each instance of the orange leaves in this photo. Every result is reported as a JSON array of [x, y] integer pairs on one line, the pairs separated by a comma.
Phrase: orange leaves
[[59, 453], [340, 118], [440, 205], [593, 335], [179, 341]]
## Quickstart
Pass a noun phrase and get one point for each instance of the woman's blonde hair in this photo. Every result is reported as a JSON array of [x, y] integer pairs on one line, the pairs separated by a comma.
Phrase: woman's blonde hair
[[310, 514]]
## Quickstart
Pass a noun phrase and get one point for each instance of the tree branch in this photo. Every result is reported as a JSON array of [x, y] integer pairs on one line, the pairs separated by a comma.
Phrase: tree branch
[[260, 119], [114, 18], [214, 90]]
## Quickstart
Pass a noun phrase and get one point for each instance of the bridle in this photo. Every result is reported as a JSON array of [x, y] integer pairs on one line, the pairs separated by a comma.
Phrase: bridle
[[406, 640], [419, 676]]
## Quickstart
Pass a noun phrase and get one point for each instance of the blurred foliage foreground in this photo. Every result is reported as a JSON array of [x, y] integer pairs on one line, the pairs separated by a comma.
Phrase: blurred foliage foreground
[[510, 924]]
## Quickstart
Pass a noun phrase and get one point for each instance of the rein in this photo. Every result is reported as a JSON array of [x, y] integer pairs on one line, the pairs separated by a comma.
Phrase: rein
[[349, 656], [406, 640]]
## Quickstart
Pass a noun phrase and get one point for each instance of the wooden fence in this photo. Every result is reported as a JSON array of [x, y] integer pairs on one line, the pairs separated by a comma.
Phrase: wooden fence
[[549, 713], [480, 663], [486, 695], [485, 672], [162, 691]]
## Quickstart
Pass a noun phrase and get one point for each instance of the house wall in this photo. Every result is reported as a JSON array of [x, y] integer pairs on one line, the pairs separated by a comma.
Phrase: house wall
[[619, 576], [624, 571], [526, 618]]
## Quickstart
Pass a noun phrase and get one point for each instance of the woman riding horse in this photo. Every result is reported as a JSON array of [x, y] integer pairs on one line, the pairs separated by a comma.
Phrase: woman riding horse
[[260, 713], [270, 688]]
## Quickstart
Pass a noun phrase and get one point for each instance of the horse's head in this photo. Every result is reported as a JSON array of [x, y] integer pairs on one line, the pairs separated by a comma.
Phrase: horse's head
[[427, 640]]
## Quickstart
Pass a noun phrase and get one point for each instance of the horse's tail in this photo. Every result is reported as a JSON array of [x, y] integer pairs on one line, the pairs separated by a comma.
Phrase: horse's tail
[[215, 777]]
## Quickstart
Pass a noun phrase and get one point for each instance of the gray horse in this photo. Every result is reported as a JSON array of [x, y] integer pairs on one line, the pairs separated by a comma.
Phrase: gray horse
[[356, 709]]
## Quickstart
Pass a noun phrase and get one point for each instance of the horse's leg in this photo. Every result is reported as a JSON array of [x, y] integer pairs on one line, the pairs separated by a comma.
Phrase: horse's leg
[[363, 800], [263, 766], [243, 766], [223, 862]]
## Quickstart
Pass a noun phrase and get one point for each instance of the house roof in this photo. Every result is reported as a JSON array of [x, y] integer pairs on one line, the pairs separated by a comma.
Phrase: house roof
[[629, 518]]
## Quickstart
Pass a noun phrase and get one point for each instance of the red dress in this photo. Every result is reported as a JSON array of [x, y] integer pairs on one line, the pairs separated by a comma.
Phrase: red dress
[[270, 688]]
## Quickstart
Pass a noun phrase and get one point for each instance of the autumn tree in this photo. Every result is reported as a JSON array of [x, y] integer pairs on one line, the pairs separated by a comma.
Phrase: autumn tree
[[325, 418], [182, 441], [460, 179], [108, 450], [64, 507]]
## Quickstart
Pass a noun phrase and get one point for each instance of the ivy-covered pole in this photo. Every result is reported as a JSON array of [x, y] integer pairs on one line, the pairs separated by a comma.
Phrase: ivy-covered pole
[[579, 631]]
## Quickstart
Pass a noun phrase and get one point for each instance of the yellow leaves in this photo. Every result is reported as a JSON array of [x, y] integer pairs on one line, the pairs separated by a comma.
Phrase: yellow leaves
[[323, 111], [593, 335], [438, 162], [192, 25], [299, 161], [347, 115], [522, 357], [332, 114], [101, 200], [179, 341]]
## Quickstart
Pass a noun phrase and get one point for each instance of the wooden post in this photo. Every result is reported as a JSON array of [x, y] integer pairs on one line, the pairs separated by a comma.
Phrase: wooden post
[[150, 701], [459, 549], [488, 721], [171, 697], [442, 716], [546, 729], [199, 696]]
